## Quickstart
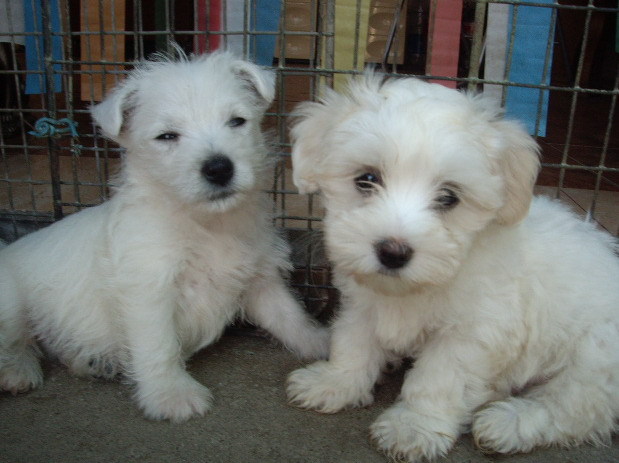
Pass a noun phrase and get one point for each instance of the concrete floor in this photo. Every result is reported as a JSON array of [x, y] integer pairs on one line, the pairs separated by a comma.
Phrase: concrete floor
[[76, 420]]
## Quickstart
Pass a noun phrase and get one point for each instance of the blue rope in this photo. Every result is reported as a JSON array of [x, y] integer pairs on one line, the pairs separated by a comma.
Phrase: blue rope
[[47, 127]]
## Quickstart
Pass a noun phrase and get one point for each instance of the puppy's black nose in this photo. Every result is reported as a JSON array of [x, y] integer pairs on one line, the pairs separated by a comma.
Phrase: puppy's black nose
[[218, 170], [393, 254]]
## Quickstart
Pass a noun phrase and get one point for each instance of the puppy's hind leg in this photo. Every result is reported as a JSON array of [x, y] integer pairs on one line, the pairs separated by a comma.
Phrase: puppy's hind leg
[[270, 304], [19, 354], [578, 405]]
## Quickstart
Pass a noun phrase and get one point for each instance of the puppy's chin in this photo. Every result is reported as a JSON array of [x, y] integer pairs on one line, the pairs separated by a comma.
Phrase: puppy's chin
[[226, 203], [220, 202], [386, 285]]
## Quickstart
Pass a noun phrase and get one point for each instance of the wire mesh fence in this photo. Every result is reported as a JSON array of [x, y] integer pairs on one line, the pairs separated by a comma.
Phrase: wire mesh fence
[[552, 64]]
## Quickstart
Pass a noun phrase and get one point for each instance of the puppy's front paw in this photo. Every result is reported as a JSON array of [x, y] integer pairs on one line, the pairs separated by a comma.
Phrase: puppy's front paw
[[508, 426], [176, 399], [21, 376], [322, 388], [406, 435]]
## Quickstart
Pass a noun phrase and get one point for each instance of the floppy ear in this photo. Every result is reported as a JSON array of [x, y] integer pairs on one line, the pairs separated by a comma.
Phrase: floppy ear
[[308, 134], [111, 113], [259, 80], [519, 165]]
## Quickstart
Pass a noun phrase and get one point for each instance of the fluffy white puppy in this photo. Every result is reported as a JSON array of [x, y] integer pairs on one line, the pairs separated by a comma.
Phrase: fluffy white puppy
[[185, 245], [509, 307]]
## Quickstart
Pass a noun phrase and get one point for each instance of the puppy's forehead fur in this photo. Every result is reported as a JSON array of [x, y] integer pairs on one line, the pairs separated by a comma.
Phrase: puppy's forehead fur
[[405, 127], [184, 91], [175, 87]]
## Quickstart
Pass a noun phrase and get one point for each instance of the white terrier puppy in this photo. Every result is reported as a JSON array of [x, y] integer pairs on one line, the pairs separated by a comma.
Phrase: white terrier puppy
[[185, 245], [511, 314]]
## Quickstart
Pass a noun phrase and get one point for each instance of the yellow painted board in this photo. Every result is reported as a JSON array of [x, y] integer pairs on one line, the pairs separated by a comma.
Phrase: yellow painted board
[[351, 31], [97, 46]]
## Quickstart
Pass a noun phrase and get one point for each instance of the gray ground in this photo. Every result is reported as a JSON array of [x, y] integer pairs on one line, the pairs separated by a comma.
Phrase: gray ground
[[77, 420]]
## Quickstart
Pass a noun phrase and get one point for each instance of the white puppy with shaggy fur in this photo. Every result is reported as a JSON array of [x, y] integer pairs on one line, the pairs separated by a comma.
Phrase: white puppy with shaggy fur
[[509, 305], [185, 245]]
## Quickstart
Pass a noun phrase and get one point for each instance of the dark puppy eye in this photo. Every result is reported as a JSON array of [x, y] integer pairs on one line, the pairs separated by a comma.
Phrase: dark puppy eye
[[447, 199], [367, 182], [236, 122], [168, 136]]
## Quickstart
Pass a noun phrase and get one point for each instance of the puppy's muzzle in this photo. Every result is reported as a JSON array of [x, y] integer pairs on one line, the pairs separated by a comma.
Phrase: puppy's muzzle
[[393, 254], [218, 170]]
